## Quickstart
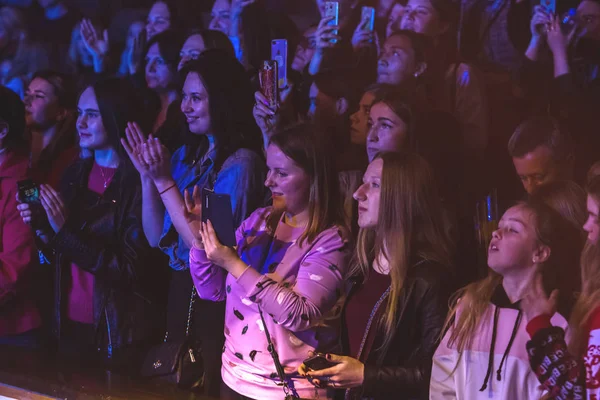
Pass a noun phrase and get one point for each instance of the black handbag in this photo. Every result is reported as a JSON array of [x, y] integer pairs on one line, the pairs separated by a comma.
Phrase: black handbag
[[178, 362]]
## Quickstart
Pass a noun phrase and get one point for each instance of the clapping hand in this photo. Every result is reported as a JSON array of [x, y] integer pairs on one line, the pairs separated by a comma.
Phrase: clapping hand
[[193, 212], [54, 207], [158, 161], [134, 145], [135, 53], [98, 46]]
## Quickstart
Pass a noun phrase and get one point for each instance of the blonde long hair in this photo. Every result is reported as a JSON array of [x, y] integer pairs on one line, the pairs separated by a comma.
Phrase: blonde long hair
[[551, 230], [590, 288], [411, 226]]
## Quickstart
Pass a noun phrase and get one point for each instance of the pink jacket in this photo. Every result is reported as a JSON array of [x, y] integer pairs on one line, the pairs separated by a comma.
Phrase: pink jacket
[[18, 312]]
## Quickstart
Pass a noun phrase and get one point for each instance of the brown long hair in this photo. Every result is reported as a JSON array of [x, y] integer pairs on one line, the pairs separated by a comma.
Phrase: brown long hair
[[550, 230], [306, 147], [410, 227], [66, 132], [590, 288]]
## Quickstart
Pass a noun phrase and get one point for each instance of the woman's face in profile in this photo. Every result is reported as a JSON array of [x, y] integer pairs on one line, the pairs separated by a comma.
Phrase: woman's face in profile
[[195, 104], [387, 132]]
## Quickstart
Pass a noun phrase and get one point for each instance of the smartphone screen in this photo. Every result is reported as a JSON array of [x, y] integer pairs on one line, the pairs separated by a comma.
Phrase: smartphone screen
[[268, 83], [28, 191], [318, 362], [279, 53], [368, 14], [332, 9], [549, 5], [217, 208]]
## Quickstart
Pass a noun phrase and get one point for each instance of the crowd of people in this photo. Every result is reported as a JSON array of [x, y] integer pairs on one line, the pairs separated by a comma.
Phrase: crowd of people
[[417, 217]]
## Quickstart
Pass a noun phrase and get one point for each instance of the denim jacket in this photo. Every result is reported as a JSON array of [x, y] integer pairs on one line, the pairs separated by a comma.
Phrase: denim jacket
[[242, 177]]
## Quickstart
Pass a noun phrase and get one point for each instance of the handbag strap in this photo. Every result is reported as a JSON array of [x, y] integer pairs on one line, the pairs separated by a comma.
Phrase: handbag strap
[[270, 346], [278, 367], [190, 312]]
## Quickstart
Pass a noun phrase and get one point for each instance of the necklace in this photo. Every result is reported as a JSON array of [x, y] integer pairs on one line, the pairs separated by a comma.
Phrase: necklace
[[107, 181]]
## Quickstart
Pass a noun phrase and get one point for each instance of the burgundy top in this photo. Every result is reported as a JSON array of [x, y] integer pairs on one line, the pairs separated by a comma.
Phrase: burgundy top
[[80, 294], [18, 311], [359, 309]]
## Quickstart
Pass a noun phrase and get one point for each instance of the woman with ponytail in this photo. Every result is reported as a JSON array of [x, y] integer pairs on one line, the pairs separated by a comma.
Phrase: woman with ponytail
[[560, 367], [483, 354]]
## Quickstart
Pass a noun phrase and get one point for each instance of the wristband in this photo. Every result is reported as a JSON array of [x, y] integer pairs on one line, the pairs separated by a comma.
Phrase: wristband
[[167, 189]]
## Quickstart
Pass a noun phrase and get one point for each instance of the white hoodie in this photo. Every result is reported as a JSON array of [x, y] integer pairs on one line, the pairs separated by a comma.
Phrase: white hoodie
[[462, 375]]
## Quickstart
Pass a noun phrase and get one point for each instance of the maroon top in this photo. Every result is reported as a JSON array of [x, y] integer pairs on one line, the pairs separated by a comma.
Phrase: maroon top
[[359, 309], [80, 294], [18, 312]]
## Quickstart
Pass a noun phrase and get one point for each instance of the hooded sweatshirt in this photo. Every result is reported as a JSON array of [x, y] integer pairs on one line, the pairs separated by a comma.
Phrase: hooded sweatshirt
[[495, 365]]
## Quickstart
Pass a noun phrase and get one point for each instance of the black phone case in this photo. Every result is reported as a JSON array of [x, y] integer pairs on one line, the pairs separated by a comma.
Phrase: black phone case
[[318, 362], [217, 208]]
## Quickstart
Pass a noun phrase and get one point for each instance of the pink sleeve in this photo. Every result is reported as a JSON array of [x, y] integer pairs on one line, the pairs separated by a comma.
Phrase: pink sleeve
[[208, 278], [317, 288]]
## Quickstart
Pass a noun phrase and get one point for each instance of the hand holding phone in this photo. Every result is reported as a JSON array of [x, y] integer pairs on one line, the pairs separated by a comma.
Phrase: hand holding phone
[[318, 362]]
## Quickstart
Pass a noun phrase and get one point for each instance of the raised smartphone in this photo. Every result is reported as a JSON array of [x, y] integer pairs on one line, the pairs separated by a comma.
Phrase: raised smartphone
[[332, 9], [549, 5], [279, 53], [368, 15], [217, 208], [268, 78]]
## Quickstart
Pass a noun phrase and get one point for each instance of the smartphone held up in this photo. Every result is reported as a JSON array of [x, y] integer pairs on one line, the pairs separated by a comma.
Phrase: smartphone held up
[[268, 78], [332, 9]]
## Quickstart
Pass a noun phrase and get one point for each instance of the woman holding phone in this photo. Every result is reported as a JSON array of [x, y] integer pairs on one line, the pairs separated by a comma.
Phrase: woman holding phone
[[221, 152], [400, 284], [286, 275], [92, 234]]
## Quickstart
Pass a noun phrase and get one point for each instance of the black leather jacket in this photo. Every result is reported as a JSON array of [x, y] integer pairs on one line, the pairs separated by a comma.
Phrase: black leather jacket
[[402, 370], [103, 235]]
